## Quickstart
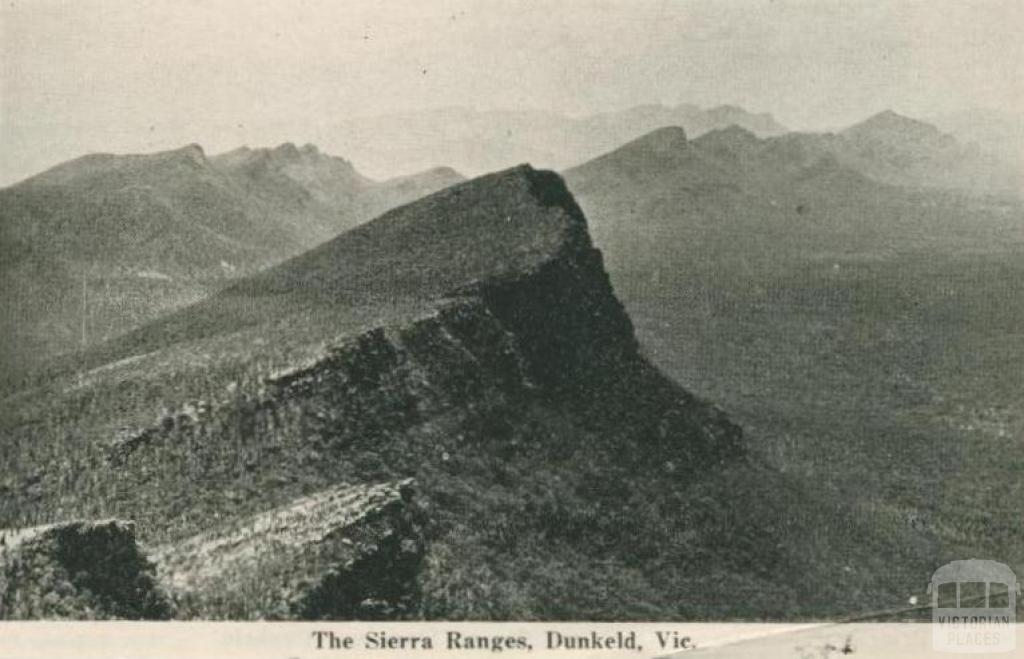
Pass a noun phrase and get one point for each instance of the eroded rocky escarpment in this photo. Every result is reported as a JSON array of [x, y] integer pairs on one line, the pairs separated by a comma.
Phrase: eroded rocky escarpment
[[346, 552], [470, 340]]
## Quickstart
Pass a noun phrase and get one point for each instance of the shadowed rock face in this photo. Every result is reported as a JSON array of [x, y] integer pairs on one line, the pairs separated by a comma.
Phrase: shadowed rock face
[[471, 340], [77, 571], [346, 552]]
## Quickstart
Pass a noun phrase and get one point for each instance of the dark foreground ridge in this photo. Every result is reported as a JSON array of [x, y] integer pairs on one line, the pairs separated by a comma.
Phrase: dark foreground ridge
[[470, 340]]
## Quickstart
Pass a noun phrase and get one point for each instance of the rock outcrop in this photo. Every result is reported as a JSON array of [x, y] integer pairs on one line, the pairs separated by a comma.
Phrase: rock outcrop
[[346, 552], [77, 571]]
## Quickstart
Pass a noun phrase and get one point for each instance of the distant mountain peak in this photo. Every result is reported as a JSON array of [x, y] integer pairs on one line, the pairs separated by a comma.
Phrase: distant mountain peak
[[284, 154], [444, 171], [732, 140], [287, 150], [889, 115], [762, 123], [661, 140], [434, 174], [731, 133], [89, 166], [193, 152], [888, 122], [194, 149], [726, 108], [666, 144]]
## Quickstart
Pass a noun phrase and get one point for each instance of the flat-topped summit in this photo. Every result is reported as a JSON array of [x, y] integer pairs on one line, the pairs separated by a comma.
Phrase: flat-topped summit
[[100, 167], [661, 139], [657, 150], [496, 225]]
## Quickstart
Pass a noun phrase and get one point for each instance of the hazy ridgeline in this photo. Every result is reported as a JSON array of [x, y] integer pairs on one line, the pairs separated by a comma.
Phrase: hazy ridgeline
[[102, 244], [864, 334]]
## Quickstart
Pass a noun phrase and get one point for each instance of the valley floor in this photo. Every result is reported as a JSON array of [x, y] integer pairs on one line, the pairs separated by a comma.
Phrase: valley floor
[[890, 385]]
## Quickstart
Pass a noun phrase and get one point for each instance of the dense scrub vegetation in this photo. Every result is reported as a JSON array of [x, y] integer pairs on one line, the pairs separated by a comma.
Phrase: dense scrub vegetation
[[866, 337], [100, 245], [561, 475], [75, 571], [537, 434]]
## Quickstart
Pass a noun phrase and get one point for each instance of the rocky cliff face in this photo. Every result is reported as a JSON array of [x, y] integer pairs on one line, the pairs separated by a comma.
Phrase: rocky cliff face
[[471, 340], [346, 552]]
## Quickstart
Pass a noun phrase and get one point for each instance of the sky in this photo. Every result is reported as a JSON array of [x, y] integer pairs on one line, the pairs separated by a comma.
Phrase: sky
[[79, 76]]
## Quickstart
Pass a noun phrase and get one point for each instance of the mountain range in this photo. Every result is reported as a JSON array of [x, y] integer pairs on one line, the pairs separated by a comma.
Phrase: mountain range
[[861, 328], [470, 341], [103, 243], [489, 403], [992, 131], [478, 141], [824, 192], [896, 149], [888, 147]]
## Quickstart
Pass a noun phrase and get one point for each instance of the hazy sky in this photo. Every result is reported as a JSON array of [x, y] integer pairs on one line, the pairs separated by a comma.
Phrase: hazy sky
[[139, 75]]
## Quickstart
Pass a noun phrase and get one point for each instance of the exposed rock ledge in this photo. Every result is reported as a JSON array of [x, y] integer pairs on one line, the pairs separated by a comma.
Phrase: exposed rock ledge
[[346, 552]]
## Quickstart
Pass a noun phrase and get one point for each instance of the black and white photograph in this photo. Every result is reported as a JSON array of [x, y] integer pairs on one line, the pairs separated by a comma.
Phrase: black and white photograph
[[609, 328]]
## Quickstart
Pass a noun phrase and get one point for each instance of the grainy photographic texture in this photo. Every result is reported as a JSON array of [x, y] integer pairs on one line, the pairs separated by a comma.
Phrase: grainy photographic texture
[[492, 311]]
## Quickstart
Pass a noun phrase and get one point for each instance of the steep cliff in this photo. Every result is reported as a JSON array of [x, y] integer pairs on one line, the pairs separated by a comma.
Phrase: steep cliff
[[345, 552], [470, 340]]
